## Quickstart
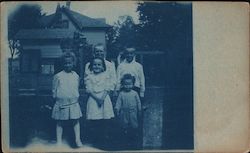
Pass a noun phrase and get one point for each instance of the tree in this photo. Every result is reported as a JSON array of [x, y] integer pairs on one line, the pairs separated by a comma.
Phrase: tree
[[121, 35], [26, 16], [161, 24]]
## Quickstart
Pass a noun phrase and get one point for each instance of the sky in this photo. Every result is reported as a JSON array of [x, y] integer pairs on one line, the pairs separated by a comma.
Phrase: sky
[[111, 10]]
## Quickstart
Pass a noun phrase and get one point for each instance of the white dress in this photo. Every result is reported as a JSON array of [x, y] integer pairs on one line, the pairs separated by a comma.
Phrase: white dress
[[65, 91], [110, 70], [98, 83]]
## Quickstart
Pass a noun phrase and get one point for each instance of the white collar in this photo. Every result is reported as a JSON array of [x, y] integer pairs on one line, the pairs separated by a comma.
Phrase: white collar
[[72, 72]]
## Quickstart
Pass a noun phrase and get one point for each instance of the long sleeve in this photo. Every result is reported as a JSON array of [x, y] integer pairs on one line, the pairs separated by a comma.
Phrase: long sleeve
[[78, 81], [118, 76], [87, 83], [142, 81], [138, 101], [55, 86], [112, 77]]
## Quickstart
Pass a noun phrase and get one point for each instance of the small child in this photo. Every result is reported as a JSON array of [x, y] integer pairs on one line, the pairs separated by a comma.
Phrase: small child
[[66, 94], [128, 110], [130, 66], [99, 107]]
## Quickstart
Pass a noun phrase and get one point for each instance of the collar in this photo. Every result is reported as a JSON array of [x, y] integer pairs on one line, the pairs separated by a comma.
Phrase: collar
[[133, 61], [72, 72]]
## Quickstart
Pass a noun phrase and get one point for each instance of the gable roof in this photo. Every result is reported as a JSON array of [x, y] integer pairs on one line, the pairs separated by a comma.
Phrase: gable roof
[[44, 34], [45, 20], [80, 20]]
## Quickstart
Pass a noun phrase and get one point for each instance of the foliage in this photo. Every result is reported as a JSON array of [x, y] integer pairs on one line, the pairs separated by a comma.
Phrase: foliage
[[161, 27], [14, 46], [26, 16], [121, 35], [161, 24]]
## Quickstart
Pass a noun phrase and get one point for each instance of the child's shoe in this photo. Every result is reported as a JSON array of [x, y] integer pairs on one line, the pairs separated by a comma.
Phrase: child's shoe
[[59, 143], [79, 144]]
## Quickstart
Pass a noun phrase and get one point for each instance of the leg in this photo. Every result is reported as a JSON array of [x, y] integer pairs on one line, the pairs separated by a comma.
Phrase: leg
[[77, 133], [59, 132], [93, 131]]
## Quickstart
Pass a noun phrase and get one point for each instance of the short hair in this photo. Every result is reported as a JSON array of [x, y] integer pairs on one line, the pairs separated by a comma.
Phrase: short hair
[[127, 77], [66, 43], [92, 62], [129, 50], [68, 55], [98, 45]]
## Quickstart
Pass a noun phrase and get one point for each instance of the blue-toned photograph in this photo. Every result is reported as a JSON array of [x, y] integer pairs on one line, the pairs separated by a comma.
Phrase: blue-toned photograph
[[100, 76]]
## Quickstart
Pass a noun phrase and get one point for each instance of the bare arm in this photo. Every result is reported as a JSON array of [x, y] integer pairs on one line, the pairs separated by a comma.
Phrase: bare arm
[[55, 84], [113, 76], [118, 75], [118, 105]]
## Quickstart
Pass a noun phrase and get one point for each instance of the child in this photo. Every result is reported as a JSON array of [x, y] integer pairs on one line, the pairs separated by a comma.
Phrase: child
[[128, 110], [99, 107], [66, 93], [130, 66], [99, 52]]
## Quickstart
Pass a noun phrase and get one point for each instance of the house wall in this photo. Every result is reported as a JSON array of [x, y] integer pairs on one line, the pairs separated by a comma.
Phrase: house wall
[[95, 36], [71, 24], [47, 51]]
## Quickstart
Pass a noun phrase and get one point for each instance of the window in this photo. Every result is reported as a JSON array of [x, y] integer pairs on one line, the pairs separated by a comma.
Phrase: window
[[47, 66], [47, 69], [62, 24]]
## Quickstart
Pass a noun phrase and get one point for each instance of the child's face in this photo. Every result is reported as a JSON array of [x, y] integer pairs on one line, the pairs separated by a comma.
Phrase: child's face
[[68, 64], [99, 53], [128, 84], [97, 66], [130, 56]]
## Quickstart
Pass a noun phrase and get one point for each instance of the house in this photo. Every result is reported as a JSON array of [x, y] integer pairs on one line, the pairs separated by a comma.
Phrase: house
[[41, 47], [168, 121]]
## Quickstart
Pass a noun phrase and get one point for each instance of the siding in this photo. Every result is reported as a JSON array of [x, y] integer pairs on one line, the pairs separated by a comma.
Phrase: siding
[[71, 25], [47, 51], [95, 36]]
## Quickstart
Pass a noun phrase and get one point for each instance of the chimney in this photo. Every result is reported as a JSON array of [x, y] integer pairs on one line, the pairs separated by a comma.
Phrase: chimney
[[68, 4], [58, 7]]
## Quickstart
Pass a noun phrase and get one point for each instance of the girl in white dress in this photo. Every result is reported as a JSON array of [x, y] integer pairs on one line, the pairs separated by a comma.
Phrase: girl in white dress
[[99, 106], [66, 94]]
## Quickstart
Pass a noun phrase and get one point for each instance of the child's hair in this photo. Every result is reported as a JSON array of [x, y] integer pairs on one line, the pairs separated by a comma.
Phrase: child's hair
[[92, 62], [129, 49], [66, 43], [95, 47], [68, 55], [127, 77]]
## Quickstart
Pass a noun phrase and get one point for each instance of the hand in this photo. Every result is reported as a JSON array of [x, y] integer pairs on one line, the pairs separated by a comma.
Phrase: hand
[[100, 102], [141, 94]]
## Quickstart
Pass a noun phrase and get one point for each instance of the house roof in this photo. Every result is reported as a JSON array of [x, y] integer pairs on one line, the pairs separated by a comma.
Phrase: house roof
[[80, 20], [44, 34]]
